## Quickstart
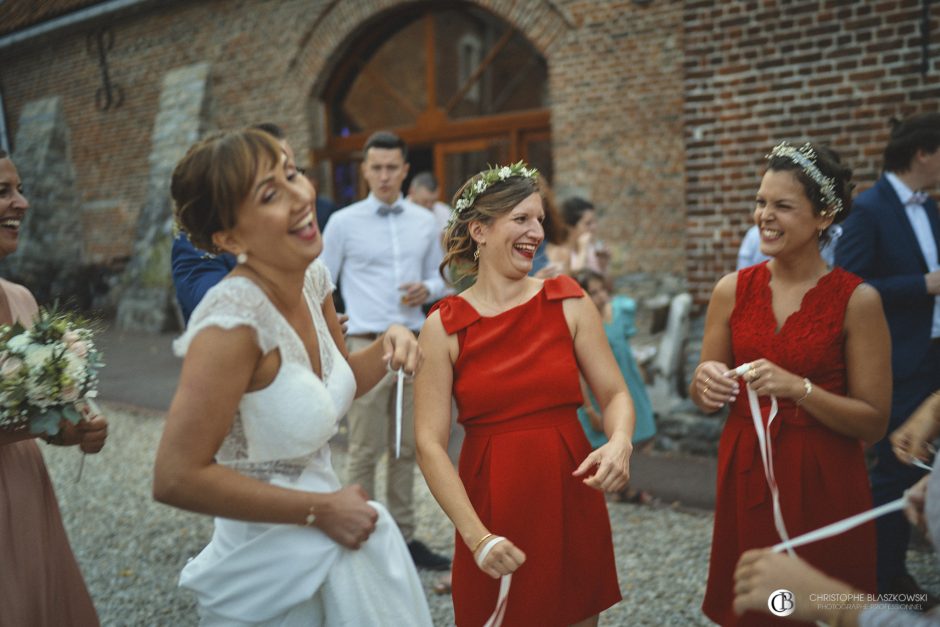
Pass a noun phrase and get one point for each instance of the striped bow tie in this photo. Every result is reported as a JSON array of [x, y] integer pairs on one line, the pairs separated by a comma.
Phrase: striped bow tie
[[384, 210]]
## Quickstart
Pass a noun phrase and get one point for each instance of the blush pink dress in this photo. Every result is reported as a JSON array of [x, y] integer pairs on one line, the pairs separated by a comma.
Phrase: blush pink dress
[[40, 582]]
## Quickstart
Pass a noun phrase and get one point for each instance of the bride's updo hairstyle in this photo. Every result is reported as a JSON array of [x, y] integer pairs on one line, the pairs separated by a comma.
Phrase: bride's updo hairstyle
[[483, 198], [825, 179], [215, 177]]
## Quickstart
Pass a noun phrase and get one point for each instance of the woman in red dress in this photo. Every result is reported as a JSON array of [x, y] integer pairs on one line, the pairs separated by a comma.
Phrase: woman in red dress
[[817, 340], [529, 496]]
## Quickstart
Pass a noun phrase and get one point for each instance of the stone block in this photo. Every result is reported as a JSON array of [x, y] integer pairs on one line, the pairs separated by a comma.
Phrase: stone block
[[146, 300]]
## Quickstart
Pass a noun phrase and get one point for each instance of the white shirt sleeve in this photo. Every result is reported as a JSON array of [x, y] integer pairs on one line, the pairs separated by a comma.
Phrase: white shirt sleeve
[[431, 275], [749, 246], [333, 239]]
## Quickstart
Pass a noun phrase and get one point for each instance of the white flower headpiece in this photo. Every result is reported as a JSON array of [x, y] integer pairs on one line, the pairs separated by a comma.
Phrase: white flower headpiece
[[486, 179], [805, 157]]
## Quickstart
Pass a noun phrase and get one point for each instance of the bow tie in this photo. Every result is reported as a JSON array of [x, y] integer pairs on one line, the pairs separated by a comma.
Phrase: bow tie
[[917, 198], [384, 210]]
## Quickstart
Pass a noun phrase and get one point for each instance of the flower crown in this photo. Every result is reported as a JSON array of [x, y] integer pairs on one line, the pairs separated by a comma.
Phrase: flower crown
[[488, 178], [805, 157]]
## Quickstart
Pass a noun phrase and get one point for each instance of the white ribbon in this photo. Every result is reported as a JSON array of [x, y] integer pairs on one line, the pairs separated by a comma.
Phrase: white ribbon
[[93, 406], [496, 618], [766, 450], [920, 464], [841, 526], [399, 393]]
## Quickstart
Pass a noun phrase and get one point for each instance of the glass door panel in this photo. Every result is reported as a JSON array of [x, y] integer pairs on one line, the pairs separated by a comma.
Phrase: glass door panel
[[458, 161]]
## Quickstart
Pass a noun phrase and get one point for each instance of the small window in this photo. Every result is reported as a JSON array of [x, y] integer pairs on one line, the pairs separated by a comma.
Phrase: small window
[[469, 55]]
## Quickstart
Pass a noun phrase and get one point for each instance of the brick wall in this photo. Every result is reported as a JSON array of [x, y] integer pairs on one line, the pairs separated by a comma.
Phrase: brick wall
[[757, 72], [617, 127], [660, 113], [247, 43], [614, 71]]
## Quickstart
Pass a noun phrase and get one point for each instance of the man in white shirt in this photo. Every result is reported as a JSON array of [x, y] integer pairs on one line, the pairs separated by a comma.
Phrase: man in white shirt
[[384, 251], [890, 239]]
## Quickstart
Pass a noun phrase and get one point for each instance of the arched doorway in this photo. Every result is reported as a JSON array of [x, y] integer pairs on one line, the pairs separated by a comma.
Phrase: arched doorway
[[462, 87]]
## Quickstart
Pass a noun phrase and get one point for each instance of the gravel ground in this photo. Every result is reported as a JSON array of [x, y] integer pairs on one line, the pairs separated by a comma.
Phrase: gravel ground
[[131, 549]]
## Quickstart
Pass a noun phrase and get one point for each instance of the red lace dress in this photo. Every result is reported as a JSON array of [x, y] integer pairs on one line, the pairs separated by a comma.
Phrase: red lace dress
[[517, 391], [820, 473]]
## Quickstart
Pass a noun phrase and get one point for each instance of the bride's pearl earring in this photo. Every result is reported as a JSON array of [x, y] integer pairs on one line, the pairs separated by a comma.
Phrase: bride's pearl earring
[[241, 257]]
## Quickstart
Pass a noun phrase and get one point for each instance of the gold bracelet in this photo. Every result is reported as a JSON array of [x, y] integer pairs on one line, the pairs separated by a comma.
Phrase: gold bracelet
[[480, 543], [808, 387]]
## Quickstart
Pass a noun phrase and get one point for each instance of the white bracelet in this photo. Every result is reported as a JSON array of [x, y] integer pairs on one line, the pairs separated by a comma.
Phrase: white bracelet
[[808, 389], [487, 548], [311, 519]]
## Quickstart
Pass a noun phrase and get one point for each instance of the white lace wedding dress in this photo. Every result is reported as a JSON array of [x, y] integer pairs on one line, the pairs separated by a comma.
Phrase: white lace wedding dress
[[286, 575]]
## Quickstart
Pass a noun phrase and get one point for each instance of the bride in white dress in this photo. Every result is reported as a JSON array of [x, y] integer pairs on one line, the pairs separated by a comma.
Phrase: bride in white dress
[[265, 380]]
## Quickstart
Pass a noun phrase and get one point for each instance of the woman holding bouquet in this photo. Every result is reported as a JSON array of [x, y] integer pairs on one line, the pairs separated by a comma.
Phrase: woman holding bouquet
[[40, 583], [265, 380]]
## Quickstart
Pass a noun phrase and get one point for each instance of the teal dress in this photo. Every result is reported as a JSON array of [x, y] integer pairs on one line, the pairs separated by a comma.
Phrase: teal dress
[[619, 331]]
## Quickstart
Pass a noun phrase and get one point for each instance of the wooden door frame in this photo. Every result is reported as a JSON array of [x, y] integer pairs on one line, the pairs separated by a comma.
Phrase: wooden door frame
[[432, 127]]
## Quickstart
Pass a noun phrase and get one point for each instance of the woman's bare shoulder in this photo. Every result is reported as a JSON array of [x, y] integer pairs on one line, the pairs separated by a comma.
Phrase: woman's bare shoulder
[[20, 298]]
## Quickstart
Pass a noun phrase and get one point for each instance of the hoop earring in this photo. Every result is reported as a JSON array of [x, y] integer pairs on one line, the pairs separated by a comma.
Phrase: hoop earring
[[241, 258]]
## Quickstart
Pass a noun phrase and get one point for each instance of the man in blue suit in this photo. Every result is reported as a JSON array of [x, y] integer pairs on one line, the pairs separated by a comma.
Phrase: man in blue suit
[[890, 240]]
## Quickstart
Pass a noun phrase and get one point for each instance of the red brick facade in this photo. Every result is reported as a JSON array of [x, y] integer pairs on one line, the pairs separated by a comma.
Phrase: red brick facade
[[833, 71], [660, 111]]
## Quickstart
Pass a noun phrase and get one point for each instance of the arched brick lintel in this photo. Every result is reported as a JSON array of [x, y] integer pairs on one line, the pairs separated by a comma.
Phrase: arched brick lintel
[[333, 31]]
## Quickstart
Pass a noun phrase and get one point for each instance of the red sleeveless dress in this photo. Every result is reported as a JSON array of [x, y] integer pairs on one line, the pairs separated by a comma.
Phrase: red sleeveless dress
[[821, 474], [517, 391]]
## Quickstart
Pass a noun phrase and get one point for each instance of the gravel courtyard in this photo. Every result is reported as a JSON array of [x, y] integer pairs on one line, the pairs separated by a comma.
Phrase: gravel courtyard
[[131, 549]]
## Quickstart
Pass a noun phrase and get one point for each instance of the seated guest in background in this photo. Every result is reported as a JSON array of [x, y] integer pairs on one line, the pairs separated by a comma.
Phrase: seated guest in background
[[618, 314], [581, 250]]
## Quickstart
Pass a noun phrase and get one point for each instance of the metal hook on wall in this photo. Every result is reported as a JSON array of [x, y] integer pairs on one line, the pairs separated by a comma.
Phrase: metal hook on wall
[[109, 95]]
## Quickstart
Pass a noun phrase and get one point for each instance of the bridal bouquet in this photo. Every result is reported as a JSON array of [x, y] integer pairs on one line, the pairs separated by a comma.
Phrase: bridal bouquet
[[45, 371]]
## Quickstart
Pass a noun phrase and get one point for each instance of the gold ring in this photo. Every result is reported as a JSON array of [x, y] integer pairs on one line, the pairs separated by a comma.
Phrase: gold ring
[[707, 380], [705, 391]]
